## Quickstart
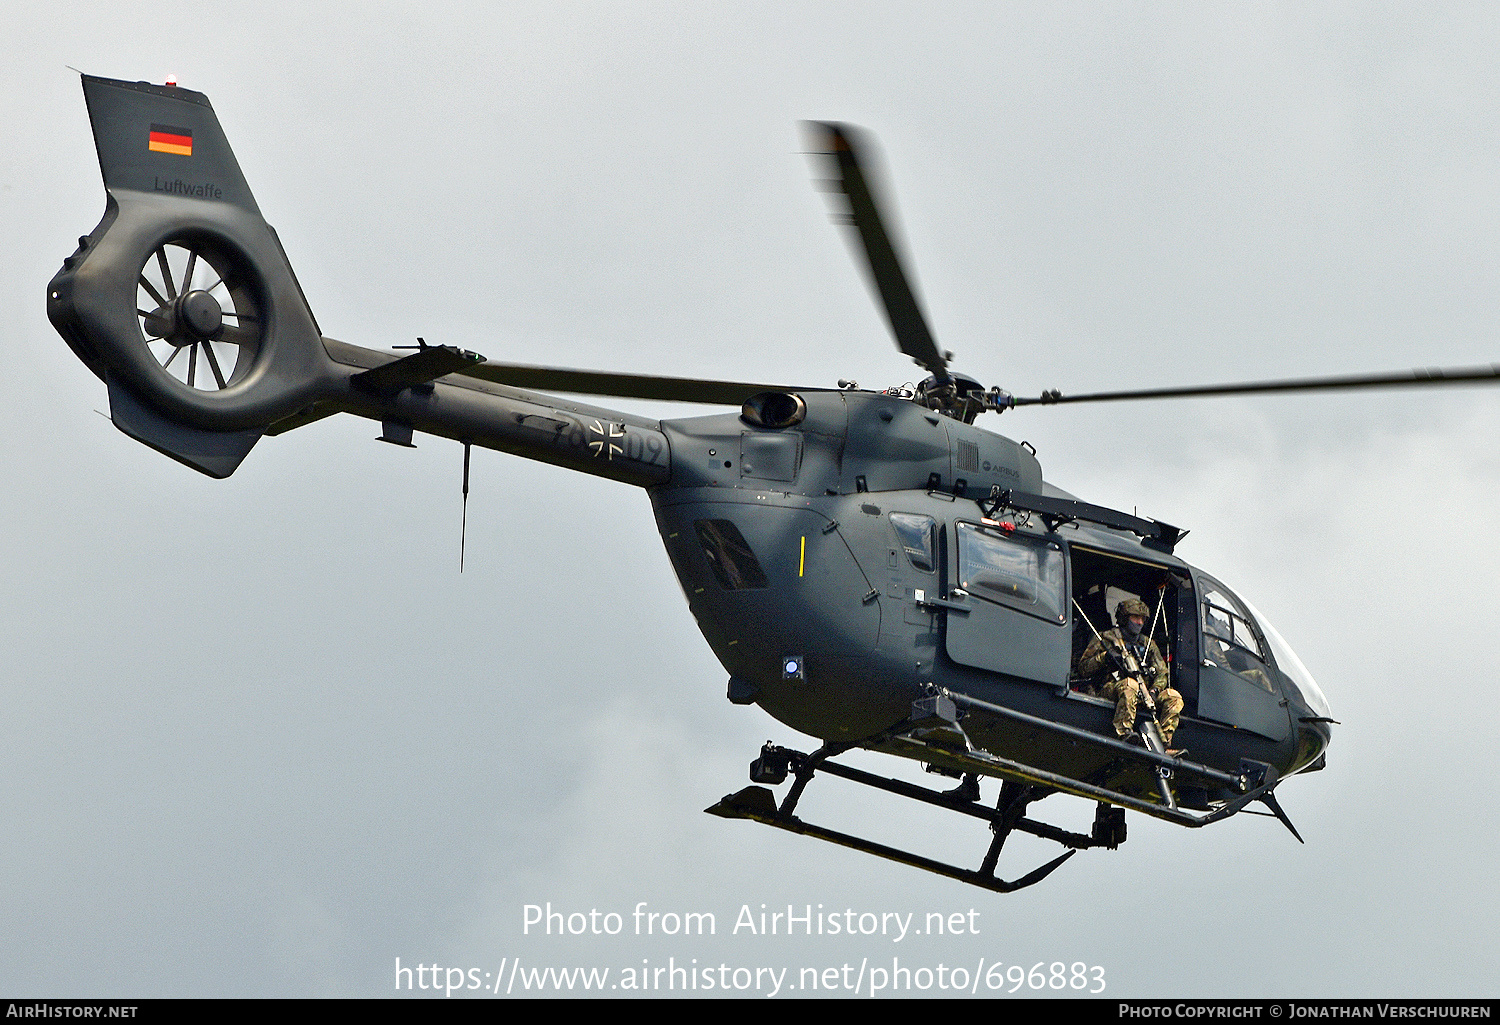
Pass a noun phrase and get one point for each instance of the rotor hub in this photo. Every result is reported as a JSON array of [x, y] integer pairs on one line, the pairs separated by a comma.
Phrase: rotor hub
[[199, 315]]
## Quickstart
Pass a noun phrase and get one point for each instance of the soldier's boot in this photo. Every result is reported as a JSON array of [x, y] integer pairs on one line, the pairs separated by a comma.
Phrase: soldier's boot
[[967, 789]]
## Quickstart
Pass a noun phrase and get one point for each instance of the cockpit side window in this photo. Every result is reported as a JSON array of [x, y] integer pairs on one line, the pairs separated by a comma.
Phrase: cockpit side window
[[1230, 640], [918, 536]]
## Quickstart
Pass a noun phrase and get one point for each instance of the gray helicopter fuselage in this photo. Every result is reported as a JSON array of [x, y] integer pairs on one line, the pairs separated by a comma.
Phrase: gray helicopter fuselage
[[794, 549]]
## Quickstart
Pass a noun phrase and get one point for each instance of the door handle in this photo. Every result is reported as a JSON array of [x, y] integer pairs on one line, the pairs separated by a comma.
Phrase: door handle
[[940, 603]]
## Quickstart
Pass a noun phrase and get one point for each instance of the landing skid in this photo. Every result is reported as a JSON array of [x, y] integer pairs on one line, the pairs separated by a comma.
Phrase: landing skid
[[934, 723], [758, 804]]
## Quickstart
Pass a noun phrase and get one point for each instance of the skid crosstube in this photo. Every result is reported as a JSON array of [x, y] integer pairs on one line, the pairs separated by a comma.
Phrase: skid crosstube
[[758, 804]]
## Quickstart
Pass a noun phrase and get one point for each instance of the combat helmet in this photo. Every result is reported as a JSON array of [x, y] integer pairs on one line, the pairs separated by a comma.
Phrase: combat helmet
[[1131, 607]]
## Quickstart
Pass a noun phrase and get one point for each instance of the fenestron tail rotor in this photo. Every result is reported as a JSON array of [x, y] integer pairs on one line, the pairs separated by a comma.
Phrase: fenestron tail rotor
[[182, 299], [198, 317]]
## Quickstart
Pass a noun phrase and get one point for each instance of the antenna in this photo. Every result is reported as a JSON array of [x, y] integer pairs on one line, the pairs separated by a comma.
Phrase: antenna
[[463, 533]]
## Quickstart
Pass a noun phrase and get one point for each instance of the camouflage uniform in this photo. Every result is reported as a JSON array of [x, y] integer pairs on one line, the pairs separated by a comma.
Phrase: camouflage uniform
[[1095, 661]]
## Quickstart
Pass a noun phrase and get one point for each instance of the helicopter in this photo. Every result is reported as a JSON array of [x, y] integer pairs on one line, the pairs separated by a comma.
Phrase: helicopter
[[871, 568]]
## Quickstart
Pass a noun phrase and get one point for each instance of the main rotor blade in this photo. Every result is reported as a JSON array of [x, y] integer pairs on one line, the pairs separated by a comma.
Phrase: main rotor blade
[[1422, 378], [625, 386], [849, 151]]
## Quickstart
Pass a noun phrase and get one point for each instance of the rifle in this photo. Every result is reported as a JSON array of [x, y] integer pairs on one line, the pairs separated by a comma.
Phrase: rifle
[[1126, 664]]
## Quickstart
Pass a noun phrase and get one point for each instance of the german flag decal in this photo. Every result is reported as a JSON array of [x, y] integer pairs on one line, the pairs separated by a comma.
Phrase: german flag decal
[[168, 139]]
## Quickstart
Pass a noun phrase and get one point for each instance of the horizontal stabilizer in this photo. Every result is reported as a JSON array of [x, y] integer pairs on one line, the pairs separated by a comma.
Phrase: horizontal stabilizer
[[427, 364]]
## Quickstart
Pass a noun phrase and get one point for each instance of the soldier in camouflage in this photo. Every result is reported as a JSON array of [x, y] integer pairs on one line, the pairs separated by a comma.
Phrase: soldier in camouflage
[[1130, 636]]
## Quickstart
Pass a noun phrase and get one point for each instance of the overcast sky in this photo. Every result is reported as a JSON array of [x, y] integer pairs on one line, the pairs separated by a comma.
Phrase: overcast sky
[[260, 737]]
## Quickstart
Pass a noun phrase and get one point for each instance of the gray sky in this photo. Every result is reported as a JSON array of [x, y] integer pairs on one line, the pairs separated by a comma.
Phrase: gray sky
[[259, 737]]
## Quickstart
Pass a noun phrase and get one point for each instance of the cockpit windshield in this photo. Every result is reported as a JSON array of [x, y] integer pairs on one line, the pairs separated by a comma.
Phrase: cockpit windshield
[[1288, 662]]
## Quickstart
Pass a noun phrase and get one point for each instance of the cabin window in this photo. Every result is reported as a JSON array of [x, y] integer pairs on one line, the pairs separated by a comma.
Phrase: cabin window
[[729, 555], [1014, 570], [918, 536]]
